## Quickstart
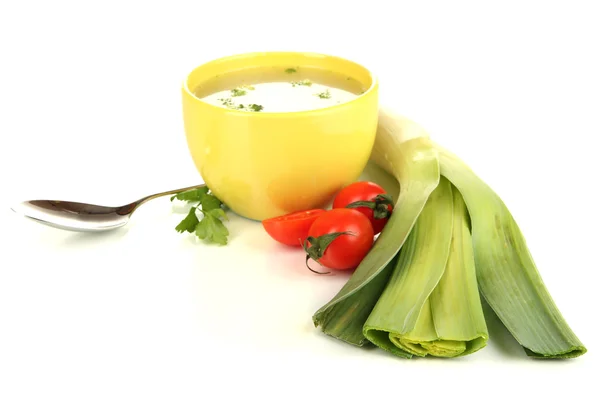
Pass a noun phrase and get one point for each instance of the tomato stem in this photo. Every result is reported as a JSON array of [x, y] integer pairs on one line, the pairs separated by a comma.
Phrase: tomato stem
[[318, 245], [382, 204], [316, 272]]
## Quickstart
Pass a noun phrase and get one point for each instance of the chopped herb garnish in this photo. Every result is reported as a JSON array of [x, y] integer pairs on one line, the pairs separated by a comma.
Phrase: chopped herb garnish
[[238, 92], [248, 87], [255, 107], [304, 82], [291, 70], [227, 103], [250, 107], [324, 95]]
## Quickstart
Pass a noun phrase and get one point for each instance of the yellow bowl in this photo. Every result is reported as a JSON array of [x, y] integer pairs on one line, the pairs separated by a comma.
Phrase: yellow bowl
[[262, 164]]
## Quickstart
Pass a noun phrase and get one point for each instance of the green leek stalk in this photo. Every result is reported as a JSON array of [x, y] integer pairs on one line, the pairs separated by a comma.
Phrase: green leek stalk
[[506, 273], [431, 304], [400, 146]]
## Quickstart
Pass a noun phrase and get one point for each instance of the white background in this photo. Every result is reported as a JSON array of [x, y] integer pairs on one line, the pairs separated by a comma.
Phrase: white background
[[90, 110]]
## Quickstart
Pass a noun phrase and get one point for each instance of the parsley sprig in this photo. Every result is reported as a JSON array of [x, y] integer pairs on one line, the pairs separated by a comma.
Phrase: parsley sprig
[[210, 227]]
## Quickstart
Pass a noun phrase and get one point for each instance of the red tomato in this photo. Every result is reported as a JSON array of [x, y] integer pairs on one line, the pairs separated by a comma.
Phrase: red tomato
[[377, 208], [291, 229], [340, 238]]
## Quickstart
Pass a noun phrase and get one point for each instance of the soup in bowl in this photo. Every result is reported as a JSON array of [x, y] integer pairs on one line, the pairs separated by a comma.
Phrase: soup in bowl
[[278, 132]]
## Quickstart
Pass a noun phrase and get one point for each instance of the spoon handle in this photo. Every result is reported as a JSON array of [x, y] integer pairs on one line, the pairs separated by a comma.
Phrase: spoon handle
[[141, 201]]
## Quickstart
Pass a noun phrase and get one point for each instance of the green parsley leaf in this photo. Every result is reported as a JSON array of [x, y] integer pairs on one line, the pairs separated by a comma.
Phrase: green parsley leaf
[[191, 195], [218, 213], [189, 223], [210, 202], [291, 70], [211, 228]]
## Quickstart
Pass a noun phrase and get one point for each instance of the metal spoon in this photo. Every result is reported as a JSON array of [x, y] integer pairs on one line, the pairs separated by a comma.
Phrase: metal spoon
[[82, 217]]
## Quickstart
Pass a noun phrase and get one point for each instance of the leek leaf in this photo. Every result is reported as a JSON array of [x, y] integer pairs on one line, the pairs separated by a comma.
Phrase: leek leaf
[[415, 165], [431, 305], [398, 322], [455, 302], [506, 273]]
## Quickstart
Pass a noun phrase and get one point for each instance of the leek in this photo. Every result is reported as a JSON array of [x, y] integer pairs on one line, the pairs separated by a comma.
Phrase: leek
[[401, 146], [434, 309], [431, 304]]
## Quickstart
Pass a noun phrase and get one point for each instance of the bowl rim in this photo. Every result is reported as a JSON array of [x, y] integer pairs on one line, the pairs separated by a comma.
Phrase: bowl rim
[[374, 84]]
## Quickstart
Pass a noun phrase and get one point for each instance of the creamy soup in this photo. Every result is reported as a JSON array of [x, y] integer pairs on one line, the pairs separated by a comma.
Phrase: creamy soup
[[279, 89]]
